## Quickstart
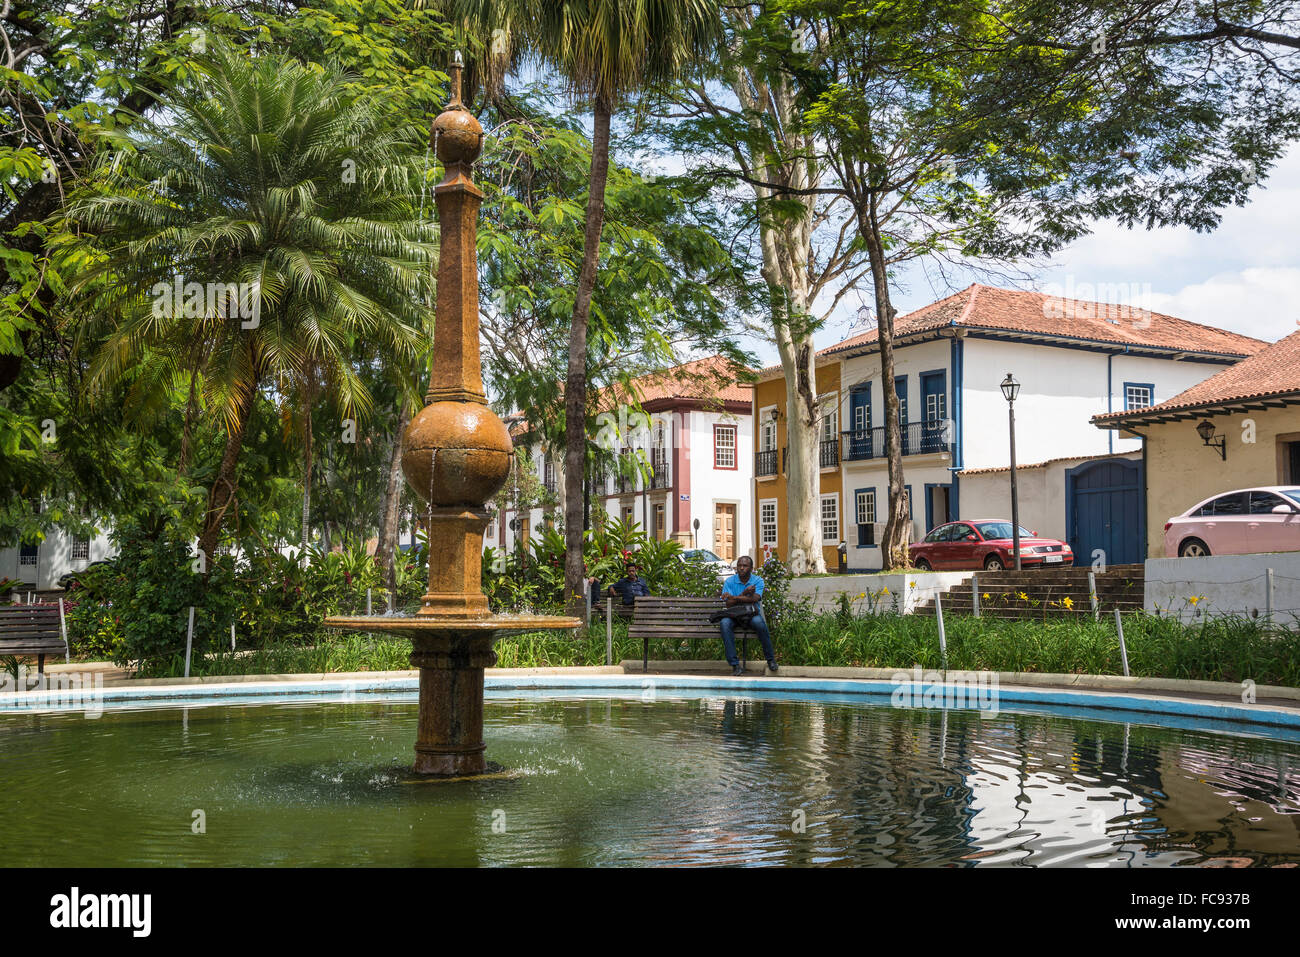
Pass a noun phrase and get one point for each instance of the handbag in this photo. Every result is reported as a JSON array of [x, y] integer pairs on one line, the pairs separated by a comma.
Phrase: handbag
[[740, 614]]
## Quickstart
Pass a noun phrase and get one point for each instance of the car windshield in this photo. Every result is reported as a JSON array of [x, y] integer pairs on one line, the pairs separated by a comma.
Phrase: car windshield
[[1293, 494], [703, 553], [999, 530]]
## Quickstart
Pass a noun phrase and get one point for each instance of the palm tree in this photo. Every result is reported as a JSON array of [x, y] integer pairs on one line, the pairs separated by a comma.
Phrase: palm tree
[[605, 49], [272, 178]]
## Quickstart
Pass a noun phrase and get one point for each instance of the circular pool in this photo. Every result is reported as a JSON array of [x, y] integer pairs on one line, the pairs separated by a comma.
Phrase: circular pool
[[684, 777]]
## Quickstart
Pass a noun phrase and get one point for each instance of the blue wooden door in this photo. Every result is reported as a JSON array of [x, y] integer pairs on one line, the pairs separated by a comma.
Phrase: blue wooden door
[[860, 423], [1106, 511], [934, 410]]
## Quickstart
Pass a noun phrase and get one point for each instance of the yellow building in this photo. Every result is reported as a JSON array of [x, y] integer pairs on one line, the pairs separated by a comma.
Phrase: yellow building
[[771, 518], [1237, 429]]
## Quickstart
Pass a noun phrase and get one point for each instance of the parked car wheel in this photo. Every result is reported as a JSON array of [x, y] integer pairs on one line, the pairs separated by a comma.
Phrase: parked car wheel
[[1193, 548], [923, 565], [993, 564]]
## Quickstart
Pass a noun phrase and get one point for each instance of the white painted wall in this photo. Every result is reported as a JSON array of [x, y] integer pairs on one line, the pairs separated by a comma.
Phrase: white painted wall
[[1060, 390], [711, 486], [1188, 588]]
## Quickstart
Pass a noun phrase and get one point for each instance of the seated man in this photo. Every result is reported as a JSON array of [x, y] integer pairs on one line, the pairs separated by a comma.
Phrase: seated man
[[745, 589], [631, 586]]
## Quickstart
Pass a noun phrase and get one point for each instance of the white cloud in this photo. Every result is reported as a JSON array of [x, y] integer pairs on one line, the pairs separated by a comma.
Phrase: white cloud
[[1262, 302]]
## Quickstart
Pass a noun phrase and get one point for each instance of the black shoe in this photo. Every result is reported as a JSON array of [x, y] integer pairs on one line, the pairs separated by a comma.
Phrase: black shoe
[[771, 666], [738, 671]]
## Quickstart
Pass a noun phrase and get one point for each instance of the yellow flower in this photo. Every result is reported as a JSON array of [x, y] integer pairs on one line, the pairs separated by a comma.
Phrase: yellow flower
[[1024, 597], [884, 590], [1196, 599], [1067, 601], [861, 594], [986, 596]]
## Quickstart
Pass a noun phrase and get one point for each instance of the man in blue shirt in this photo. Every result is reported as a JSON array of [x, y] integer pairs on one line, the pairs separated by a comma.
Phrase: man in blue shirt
[[630, 587], [745, 589]]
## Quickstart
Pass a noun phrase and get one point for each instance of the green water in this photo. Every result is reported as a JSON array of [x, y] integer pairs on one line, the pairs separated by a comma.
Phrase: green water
[[599, 782]]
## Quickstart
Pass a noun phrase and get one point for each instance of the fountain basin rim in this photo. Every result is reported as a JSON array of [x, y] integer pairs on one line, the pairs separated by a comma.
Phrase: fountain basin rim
[[1166, 710]]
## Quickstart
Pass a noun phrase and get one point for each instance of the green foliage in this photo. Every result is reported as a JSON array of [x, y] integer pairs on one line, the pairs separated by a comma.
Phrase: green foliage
[[126, 610], [778, 604], [533, 579], [147, 592]]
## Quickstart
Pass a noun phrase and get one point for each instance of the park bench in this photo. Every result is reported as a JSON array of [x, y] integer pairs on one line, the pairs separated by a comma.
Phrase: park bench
[[28, 631], [678, 618]]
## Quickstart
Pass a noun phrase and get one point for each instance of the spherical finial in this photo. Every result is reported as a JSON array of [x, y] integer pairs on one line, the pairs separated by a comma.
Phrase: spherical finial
[[457, 135]]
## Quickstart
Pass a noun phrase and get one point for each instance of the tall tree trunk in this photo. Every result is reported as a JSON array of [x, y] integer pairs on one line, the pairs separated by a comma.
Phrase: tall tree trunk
[[786, 243], [306, 468], [390, 519], [575, 386], [187, 430], [222, 493], [893, 544]]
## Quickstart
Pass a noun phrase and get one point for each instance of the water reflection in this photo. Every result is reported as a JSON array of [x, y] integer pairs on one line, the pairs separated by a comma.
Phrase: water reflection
[[687, 781]]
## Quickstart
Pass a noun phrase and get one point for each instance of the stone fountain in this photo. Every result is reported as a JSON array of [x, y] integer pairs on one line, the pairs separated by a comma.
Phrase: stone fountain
[[456, 456]]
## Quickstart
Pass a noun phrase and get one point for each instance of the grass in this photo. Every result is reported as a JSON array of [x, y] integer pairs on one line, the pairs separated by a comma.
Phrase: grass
[[1217, 649]]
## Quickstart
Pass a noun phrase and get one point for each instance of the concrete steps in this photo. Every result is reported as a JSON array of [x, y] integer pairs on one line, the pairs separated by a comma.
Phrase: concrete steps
[[1039, 593]]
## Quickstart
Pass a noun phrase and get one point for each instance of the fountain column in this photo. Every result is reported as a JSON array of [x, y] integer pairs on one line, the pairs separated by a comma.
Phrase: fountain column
[[456, 456]]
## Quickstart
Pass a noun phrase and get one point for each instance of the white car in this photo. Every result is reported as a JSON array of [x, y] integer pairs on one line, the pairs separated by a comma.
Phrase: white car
[[723, 567], [1242, 522]]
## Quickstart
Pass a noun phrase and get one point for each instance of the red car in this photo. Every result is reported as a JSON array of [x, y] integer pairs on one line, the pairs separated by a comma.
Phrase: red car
[[985, 543]]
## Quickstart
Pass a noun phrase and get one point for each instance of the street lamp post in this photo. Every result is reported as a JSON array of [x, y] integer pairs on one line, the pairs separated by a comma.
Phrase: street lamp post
[[1010, 389]]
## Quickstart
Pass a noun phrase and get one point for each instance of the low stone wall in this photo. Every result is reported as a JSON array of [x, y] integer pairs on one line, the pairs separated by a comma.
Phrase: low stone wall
[[1190, 588], [874, 594]]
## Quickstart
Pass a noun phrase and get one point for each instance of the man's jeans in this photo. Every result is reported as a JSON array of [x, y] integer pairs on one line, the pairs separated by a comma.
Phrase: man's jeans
[[728, 626]]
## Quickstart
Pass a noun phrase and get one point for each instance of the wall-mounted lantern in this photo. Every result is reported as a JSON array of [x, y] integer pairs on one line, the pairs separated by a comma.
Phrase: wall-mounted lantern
[[1206, 431]]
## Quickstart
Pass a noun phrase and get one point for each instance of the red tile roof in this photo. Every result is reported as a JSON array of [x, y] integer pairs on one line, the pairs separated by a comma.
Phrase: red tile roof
[[712, 380], [1037, 314], [1273, 371]]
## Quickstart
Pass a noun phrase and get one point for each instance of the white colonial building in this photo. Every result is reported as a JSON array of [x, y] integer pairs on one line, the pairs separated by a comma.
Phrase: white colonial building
[[1073, 360], [39, 567], [695, 441]]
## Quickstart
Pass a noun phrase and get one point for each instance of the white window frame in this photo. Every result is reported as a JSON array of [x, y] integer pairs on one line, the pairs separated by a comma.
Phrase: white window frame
[[865, 506], [763, 540], [834, 499], [1150, 397], [723, 428], [936, 407], [80, 550], [766, 429], [829, 403]]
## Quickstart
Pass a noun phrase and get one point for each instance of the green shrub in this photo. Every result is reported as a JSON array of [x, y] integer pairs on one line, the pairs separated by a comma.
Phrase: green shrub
[[136, 609]]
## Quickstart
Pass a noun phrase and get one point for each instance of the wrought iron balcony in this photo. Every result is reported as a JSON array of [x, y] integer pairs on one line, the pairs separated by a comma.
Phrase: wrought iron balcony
[[659, 471], [918, 438], [765, 463], [829, 454]]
